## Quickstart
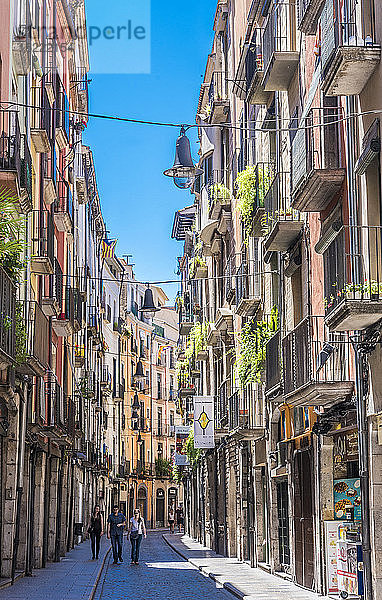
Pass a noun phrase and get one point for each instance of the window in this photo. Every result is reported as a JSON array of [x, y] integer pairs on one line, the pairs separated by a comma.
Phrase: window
[[159, 421], [160, 450], [172, 418], [159, 383]]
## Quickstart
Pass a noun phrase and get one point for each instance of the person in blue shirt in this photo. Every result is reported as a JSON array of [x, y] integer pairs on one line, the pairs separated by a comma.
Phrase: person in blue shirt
[[115, 525]]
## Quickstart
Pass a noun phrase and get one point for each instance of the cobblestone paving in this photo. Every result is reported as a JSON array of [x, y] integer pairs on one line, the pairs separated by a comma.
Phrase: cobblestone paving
[[161, 575]]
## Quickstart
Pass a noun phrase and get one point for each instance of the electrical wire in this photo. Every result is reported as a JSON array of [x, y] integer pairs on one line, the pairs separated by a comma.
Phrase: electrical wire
[[207, 125]]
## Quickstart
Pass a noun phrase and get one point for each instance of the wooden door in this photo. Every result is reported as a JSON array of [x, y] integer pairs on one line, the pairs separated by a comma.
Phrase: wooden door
[[303, 518]]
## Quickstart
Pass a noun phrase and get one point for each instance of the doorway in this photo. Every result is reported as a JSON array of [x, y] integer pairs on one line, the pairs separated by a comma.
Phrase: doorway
[[283, 524], [303, 518], [159, 508], [142, 502]]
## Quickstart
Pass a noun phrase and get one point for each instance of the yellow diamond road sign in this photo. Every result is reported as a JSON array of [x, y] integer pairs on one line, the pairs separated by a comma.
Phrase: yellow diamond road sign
[[203, 420]]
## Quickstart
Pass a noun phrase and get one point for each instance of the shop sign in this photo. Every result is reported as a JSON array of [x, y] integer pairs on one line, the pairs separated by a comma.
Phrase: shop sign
[[204, 434], [347, 499], [181, 435]]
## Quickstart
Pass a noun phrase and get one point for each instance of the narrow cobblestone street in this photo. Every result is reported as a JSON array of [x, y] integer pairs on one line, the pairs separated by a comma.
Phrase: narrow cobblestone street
[[161, 575]]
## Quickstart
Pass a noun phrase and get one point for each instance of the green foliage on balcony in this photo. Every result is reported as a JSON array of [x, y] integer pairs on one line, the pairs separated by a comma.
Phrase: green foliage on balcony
[[196, 342], [252, 186], [163, 467], [193, 454], [12, 228], [253, 339], [21, 340]]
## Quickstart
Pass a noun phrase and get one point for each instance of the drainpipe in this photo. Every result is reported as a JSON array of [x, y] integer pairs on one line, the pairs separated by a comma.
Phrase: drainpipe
[[19, 480], [59, 506], [32, 484], [361, 373], [46, 508]]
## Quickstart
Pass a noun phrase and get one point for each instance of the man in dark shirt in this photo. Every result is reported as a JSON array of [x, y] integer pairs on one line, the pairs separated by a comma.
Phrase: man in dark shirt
[[115, 524]]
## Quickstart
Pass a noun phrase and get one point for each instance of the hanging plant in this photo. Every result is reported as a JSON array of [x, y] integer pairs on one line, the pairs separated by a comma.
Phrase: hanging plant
[[219, 193], [253, 338], [21, 337], [252, 185], [193, 454], [196, 262]]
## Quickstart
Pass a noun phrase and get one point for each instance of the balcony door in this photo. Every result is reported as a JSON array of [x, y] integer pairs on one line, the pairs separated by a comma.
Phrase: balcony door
[[303, 518]]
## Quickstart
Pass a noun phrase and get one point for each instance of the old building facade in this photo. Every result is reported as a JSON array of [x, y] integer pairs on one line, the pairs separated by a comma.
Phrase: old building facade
[[281, 287], [66, 384]]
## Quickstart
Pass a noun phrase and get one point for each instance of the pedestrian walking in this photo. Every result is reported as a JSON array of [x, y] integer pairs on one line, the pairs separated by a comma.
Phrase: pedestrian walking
[[137, 530], [115, 524], [179, 517], [171, 519], [96, 531]]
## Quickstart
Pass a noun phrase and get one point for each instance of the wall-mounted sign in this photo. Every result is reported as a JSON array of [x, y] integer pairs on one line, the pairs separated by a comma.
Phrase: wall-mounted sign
[[204, 422], [181, 434]]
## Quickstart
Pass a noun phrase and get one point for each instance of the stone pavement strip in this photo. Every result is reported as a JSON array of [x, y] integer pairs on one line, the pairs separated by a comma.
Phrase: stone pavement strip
[[73, 578], [236, 577]]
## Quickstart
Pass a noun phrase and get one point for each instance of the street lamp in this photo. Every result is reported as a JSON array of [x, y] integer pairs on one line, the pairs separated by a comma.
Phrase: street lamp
[[183, 170], [139, 374], [148, 307], [136, 403]]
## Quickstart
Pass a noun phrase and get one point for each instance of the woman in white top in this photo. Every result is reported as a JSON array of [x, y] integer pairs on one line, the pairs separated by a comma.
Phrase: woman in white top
[[136, 531]]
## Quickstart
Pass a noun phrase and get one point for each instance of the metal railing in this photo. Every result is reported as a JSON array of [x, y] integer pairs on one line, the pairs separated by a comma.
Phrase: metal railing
[[277, 202], [41, 111], [26, 168], [245, 409], [254, 62], [248, 285], [61, 108], [42, 235], [58, 283], [219, 187], [222, 406], [313, 355], [35, 341], [229, 277], [218, 89], [273, 362], [353, 266], [336, 32], [316, 147], [279, 33], [10, 142], [7, 314], [64, 202]]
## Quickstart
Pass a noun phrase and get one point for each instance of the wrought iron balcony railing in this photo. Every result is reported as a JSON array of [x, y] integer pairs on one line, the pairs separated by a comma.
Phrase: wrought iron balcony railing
[[353, 278], [282, 223], [7, 319], [42, 233], [316, 365], [33, 339], [279, 47], [61, 109], [41, 119], [63, 207], [317, 161]]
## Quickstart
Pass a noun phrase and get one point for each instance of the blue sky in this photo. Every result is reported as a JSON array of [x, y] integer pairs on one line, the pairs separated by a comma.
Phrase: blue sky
[[138, 201]]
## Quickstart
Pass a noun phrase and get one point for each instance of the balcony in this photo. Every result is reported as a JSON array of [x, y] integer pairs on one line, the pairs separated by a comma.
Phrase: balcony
[[279, 47], [82, 180], [119, 392], [60, 412], [63, 208], [42, 259], [248, 291], [219, 193], [245, 417], [224, 321], [348, 57], [93, 321], [318, 171], [309, 12], [353, 279], [262, 177], [66, 322], [49, 171], [218, 103], [61, 110], [22, 41], [213, 336], [254, 71], [79, 356], [316, 365], [186, 319], [41, 120], [52, 302], [33, 339], [10, 155], [229, 280], [283, 223], [273, 381], [221, 418], [7, 321], [106, 380]]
